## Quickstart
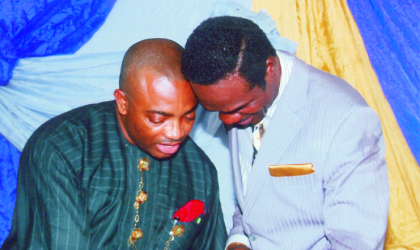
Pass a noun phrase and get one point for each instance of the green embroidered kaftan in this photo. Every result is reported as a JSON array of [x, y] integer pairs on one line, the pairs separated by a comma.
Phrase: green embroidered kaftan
[[77, 184]]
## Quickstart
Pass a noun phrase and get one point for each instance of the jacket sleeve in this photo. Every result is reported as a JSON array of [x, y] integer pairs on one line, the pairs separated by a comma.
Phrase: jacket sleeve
[[356, 184], [237, 232], [47, 213]]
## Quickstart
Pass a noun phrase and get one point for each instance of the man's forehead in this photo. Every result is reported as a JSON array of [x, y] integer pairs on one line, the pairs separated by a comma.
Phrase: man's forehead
[[217, 99], [169, 111], [167, 97], [147, 82], [229, 86]]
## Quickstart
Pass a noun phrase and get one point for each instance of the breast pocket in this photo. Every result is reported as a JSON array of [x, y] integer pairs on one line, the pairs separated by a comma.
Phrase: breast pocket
[[297, 193], [287, 202], [165, 209], [290, 181]]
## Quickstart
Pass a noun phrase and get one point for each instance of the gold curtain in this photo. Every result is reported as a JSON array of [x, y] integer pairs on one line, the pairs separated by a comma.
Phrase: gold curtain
[[329, 39]]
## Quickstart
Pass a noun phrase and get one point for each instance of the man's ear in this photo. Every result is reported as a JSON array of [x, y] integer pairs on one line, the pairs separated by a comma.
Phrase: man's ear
[[273, 70], [271, 66], [122, 102]]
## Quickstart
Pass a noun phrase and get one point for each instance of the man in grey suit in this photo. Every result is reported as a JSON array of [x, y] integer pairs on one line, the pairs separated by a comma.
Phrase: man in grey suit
[[307, 151]]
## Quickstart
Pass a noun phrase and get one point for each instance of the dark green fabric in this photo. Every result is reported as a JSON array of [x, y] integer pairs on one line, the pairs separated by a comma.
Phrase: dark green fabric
[[77, 184]]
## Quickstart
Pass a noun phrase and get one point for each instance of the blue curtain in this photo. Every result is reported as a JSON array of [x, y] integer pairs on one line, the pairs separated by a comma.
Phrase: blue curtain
[[34, 28], [391, 33], [9, 161]]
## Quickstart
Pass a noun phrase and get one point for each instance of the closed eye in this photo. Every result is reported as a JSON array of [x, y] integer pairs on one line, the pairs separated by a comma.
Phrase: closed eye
[[156, 118]]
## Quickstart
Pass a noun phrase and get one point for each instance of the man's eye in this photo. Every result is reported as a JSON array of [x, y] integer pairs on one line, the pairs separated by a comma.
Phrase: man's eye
[[190, 117], [156, 119]]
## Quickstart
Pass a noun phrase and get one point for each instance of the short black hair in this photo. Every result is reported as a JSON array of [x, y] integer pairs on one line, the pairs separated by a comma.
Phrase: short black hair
[[226, 45]]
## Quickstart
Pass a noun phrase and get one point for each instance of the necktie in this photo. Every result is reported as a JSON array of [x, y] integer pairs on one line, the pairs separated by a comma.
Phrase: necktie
[[257, 134]]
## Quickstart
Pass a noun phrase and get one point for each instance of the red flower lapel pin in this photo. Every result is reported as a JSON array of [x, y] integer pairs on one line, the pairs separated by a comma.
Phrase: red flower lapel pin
[[189, 212]]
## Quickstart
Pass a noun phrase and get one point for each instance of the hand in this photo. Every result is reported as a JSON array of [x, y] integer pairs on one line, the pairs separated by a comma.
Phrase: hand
[[237, 246]]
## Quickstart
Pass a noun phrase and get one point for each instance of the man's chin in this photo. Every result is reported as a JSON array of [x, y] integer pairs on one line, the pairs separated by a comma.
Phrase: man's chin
[[161, 156]]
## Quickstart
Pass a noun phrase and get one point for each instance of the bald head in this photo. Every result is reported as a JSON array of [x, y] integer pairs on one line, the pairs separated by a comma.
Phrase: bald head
[[155, 104], [161, 56]]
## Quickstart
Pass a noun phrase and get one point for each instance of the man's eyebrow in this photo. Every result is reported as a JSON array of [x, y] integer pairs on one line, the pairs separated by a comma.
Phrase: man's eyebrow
[[159, 112]]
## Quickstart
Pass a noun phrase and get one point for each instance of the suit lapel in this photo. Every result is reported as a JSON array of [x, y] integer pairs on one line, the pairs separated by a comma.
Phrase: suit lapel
[[283, 127], [234, 149]]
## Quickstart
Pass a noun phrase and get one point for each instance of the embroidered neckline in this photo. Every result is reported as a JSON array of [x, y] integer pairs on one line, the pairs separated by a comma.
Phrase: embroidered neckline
[[190, 211], [141, 197]]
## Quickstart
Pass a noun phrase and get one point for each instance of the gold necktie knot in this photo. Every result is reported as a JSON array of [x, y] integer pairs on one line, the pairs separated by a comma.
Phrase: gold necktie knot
[[257, 135]]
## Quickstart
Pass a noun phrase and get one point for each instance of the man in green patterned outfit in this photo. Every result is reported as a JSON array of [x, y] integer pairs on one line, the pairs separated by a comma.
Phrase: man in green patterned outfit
[[79, 177]]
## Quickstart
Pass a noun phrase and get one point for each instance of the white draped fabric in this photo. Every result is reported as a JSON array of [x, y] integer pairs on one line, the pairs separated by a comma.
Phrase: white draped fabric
[[42, 88]]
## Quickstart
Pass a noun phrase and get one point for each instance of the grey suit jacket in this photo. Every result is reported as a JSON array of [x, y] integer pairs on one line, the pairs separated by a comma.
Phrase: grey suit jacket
[[320, 119]]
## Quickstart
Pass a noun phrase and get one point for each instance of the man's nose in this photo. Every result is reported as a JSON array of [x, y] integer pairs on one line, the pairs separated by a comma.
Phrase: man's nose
[[229, 119], [174, 130]]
